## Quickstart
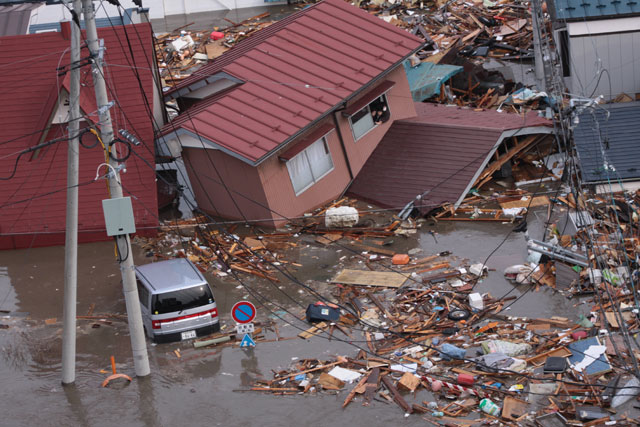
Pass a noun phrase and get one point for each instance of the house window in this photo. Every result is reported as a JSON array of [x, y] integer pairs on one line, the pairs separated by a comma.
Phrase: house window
[[377, 112], [310, 165], [143, 294]]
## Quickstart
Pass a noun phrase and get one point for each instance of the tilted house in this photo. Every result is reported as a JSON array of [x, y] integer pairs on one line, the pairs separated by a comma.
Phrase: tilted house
[[283, 122]]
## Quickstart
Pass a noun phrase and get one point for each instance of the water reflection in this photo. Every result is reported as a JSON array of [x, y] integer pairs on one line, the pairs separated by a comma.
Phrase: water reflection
[[249, 365], [78, 408], [147, 402]]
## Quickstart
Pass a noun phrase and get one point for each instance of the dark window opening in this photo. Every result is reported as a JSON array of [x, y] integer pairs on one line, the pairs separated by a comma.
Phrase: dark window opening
[[565, 58]]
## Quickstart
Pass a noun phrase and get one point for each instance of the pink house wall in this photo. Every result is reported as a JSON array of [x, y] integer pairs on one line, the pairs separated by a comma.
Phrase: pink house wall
[[279, 189], [241, 179]]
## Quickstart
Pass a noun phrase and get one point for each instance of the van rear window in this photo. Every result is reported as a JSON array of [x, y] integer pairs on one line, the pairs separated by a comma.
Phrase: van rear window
[[184, 299]]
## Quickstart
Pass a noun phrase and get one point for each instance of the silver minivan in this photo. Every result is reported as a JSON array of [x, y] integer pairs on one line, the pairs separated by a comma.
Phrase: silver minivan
[[176, 301]]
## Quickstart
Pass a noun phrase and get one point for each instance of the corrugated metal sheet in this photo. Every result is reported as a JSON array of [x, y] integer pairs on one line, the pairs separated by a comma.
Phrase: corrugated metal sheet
[[593, 9], [440, 150], [14, 19], [609, 135], [30, 91], [294, 72], [425, 79]]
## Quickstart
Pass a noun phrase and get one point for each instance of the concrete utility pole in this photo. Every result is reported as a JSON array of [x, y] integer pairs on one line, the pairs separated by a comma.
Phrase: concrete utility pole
[[71, 233], [138, 342], [536, 13]]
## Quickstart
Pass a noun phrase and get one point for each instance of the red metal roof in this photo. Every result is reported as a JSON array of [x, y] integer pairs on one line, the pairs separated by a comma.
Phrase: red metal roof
[[30, 90], [440, 150], [294, 72]]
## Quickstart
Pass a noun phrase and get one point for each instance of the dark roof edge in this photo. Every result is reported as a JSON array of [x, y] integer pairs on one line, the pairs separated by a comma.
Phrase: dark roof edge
[[412, 121], [337, 106], [597, 18]]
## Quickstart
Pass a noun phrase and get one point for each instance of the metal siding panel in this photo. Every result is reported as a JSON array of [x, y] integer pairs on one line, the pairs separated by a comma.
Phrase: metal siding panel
[[627, 76], [635, 60], [245, 196], [601, 47], [614, 65]]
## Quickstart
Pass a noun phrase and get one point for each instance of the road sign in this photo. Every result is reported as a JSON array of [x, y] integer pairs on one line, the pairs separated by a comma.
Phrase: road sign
[[247, 341], [243, 312], [245, 328]]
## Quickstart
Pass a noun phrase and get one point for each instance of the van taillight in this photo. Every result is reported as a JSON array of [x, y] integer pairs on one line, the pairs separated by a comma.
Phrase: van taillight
[[156, 324]]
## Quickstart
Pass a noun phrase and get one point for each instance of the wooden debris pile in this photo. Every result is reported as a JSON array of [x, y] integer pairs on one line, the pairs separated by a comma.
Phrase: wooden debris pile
[[180, 53], [468, 34], [212, 250], [434, 334]]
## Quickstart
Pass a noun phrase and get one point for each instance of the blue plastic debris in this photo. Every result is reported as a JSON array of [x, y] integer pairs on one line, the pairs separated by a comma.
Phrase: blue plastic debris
[[449, 352]]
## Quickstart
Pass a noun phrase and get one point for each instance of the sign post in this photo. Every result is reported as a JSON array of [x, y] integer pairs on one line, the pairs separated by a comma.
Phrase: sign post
[[244, 312]]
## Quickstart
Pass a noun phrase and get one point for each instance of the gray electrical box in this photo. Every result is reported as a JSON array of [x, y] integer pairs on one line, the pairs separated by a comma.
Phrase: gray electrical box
[[118, 216]]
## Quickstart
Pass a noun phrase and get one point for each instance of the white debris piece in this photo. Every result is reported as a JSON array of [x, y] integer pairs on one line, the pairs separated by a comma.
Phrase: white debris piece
[[591, 354], [345, 375], [475, 301], [342, 216]]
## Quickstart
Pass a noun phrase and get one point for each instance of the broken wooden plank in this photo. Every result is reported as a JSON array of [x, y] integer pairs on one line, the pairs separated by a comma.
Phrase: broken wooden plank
[[370, 278]]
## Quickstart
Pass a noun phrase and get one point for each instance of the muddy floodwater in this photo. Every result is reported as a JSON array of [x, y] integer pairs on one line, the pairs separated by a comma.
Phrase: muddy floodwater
[[205, 386]]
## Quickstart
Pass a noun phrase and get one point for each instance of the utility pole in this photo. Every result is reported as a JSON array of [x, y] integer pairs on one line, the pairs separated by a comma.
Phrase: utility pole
[[71, 233], [138, 341], [536, 14]]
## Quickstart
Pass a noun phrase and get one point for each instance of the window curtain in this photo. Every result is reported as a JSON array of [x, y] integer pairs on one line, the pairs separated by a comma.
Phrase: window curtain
[[319, 159]]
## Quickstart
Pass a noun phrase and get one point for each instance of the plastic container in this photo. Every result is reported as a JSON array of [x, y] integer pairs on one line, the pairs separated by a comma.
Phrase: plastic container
[[488, 407], [465, 379], [400, 259], [578, 335], [217, 35]]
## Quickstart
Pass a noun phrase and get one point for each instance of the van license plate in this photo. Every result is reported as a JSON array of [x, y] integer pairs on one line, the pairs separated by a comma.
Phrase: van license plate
[[188, 335]]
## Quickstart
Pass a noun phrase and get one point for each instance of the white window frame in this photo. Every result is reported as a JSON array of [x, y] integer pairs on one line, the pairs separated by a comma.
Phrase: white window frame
[[304, 153], [368, 108]]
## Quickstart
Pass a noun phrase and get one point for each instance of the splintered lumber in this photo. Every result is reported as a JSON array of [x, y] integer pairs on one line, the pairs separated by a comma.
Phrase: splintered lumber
[[353, 392], [397, 397], [371, 386], [315, 329], [374, 249], [317, 368], [527, 202], [493, 167], [370, 278], [330, 382]]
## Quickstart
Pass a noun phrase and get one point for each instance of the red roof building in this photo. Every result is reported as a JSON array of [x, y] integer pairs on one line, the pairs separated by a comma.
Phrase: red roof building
[[283, 122], [34, 109], [438, 155]]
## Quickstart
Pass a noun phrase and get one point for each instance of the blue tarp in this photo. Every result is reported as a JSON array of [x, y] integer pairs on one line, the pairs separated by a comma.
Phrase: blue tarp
[[426, 78]]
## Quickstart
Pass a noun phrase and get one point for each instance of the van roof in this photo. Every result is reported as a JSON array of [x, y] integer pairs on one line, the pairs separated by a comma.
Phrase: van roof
[[170, 275]]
